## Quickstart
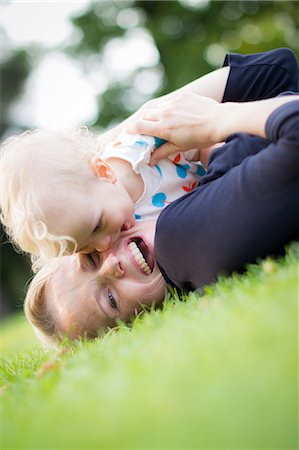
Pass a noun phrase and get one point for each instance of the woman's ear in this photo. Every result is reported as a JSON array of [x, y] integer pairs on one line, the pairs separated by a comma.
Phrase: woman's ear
[[102, 170]]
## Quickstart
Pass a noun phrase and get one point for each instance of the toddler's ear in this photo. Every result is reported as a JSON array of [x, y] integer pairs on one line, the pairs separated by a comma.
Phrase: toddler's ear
[[102, 170]]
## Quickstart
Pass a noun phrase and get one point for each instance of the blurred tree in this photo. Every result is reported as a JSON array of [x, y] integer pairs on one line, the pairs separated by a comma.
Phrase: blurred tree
[[191, 37], [14, 70], [15, 269], [188, 38]]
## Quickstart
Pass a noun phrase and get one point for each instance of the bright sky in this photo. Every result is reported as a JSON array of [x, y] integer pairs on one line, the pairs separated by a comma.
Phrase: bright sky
[[44, 22], [58, 93]]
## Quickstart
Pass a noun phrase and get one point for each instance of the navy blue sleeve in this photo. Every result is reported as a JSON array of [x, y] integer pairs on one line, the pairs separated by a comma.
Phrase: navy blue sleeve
[[260, 75], [239, 214]]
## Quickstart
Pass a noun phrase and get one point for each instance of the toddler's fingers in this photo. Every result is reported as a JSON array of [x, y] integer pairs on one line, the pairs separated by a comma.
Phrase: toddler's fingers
[[163, 152]]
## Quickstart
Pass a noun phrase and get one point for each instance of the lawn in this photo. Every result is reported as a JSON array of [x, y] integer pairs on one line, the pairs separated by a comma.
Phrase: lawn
[[218, 370]]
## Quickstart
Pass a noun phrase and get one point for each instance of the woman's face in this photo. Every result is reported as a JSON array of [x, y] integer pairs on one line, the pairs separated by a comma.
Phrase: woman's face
[[90, 291]]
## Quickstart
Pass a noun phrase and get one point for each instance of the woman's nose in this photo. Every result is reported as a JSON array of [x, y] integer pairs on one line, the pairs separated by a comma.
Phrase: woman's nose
[[110, 268]]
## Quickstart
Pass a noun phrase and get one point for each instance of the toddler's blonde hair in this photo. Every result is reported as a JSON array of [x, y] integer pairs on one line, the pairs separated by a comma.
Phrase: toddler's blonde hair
[[29, 161]]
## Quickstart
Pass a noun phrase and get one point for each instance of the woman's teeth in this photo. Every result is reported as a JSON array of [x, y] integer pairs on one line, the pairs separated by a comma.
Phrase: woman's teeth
[[139, 258]]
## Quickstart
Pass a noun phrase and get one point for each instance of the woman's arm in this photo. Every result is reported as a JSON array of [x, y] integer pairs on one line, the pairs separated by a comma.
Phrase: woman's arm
[[244, 78], [211, 85], [251, 77], [261, 75], [250, 117], [244, 208], [191, 121]]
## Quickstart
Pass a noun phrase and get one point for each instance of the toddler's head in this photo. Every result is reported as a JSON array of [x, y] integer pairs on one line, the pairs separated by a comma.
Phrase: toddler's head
[[57, 196]]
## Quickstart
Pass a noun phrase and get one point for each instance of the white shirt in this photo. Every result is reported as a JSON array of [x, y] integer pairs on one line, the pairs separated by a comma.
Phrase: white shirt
[[168, 180]]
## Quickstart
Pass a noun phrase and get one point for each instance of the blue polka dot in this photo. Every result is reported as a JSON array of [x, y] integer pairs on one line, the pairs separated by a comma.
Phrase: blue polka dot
[[200, 170], [137, 217], [158, 200], [159, 170], [182, 170], [140, 144], [159, 141]]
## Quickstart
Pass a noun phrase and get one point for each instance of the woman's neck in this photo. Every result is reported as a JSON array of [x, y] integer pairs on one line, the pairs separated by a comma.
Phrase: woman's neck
[[130, 180]]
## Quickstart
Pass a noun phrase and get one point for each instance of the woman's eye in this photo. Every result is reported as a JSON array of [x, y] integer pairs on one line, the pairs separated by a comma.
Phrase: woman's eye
[[111, 300]]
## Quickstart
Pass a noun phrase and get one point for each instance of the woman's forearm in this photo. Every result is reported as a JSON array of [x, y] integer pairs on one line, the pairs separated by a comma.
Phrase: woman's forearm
[[192, 121], [249, 117]]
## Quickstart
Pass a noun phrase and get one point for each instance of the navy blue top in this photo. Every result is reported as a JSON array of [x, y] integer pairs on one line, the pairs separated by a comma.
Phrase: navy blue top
[[245, 206]]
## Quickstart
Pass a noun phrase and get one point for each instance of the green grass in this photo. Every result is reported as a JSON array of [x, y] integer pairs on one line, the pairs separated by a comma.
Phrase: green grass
[[216, 371], [16, 335]]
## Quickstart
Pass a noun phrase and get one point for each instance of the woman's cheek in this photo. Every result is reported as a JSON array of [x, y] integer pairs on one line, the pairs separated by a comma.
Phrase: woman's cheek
[[156, 292], [132, 295]]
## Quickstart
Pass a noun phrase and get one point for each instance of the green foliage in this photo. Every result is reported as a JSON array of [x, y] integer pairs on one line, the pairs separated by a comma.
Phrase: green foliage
[[191, 38], [14, 70], [15, 274], [15, 270], [213, 371]]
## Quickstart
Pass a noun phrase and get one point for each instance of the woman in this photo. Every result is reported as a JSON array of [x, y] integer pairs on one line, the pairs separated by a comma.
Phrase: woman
[[244, 208]]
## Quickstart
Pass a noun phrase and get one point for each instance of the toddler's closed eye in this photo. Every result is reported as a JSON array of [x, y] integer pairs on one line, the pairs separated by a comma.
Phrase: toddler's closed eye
[[94, 259], [98, 227]]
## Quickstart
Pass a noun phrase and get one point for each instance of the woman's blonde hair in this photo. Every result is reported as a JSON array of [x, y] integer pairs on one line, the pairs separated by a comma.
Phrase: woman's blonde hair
[[36, 309], [29, 161], [39, 310]]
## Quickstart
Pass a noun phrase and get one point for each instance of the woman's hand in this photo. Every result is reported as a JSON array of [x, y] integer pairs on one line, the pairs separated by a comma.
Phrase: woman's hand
[[190, 121], [186, 120], [211, 85], [111, 135]]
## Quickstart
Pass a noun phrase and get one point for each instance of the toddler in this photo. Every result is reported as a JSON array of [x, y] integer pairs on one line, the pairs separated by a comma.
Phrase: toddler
[[61, 194]]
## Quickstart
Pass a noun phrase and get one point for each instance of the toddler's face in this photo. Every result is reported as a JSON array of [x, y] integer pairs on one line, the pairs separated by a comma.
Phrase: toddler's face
[[94, 218], [90, 291]]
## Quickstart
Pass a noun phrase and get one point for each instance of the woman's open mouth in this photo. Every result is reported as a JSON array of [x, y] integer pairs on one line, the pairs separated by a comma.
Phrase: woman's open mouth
[[141, 255]]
